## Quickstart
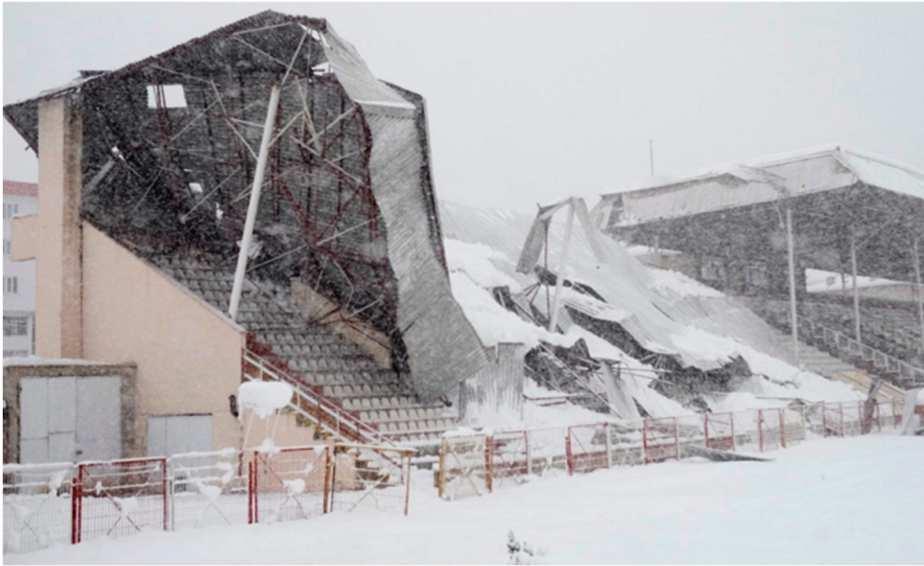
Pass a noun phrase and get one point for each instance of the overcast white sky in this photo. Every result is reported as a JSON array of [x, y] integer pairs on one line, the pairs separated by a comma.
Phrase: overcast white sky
[[531, 102]]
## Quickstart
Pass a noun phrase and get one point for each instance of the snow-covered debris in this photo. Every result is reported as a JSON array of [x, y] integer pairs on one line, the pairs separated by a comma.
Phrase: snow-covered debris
[[264, 397]]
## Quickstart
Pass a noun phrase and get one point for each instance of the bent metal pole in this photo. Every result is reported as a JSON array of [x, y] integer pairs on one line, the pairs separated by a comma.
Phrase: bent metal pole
[[254, 202], [560, 276]]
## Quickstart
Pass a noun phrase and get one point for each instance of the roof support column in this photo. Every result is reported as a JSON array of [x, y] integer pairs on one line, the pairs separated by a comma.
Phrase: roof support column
[[794, 317], [918, 289], [254, 203], [560, 276], [856, 289]]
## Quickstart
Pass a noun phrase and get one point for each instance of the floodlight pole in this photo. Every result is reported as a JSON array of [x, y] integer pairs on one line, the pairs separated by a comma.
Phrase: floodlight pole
[[254, 202], [793, 313], [919, 290], [856, 289], [560, 276]]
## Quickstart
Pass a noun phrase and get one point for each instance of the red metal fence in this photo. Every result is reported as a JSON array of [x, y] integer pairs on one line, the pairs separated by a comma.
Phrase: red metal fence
[[479, 463], [45, 504], [120, 497], [587, 447]]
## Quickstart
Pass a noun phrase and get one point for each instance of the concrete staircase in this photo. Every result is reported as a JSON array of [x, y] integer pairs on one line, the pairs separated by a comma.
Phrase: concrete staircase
[[337, 380], [824, 364]]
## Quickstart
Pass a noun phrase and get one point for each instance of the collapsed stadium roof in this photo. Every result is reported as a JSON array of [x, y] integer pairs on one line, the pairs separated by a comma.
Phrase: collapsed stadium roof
[[168, 156]]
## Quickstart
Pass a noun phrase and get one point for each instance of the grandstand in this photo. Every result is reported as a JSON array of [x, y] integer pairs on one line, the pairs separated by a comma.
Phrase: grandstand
[[753, 230]]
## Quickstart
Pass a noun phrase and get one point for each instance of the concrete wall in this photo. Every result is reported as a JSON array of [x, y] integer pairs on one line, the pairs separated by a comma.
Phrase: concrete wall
[[188, 353], [58, 300]]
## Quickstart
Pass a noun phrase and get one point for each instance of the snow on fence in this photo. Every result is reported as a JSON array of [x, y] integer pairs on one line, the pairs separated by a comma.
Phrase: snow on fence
[[37, 505], [46, 504], [370, 477], [120, 497], [474, 463]]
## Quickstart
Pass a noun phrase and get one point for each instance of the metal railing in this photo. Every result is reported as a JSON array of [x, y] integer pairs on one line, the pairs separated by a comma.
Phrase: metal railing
[[311, 404]]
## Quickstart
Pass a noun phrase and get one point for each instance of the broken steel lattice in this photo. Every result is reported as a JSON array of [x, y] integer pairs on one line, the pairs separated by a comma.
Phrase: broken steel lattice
[[169, 152]]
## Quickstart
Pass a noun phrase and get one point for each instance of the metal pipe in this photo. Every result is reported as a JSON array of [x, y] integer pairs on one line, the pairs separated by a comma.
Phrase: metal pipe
[[794, 316], [254, 204], [559, 283], [919, 290], [856, 289]]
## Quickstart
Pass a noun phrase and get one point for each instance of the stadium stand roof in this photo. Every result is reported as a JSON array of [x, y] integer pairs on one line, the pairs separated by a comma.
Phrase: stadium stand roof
[[832, 192]]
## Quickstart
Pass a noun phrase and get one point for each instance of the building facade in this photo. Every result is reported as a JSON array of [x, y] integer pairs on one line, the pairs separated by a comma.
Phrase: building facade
[[18, 276]]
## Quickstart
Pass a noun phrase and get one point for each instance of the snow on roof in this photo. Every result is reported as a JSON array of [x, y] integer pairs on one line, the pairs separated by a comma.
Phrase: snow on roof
[[765, 179], [820, 281], [33, 361]]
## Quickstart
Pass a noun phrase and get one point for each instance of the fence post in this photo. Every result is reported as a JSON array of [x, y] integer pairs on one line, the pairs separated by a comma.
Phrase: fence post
[[407, 484], [250, 492], [569, 457], [840, 408], [76, 495], [488, 463], [441, 473], [782, 428], [529, 459], [327, 479], [824, 419], [609, 449], [706, 429], [878, 419], [731, 421], [163, 463], [645, 440], [676, 438], [760, 429]]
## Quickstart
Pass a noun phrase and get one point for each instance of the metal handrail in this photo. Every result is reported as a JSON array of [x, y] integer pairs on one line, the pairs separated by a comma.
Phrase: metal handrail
[[915, 373], [339, 420]]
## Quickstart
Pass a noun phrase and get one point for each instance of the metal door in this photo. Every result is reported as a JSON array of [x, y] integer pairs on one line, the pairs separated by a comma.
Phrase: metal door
[[64, 419]]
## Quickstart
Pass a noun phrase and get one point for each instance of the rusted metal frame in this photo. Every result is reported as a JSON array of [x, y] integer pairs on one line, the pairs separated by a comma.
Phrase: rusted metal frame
[[227, 118]]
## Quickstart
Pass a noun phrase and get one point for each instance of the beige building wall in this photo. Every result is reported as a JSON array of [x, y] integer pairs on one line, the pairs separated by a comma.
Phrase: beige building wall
[[188, 353], [57, 300]]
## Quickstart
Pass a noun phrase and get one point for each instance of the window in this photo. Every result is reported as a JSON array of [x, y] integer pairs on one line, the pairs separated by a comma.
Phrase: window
[[15, 326], [10, 210], [11, 285], [166, 96]]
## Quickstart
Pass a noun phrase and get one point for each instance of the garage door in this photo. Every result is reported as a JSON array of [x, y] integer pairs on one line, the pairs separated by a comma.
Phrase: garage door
[[175, 434], [65, 419]]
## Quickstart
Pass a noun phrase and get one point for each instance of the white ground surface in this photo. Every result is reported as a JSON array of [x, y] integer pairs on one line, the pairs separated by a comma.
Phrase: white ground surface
[[835, 500]]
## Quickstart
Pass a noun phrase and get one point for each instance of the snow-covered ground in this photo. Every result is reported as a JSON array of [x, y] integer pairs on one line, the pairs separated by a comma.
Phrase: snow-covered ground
[[844, 500]]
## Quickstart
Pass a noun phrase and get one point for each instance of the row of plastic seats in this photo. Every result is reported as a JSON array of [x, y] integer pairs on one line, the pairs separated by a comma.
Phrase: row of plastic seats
[[390, 401], [402, 414], [415, 426], [331, 364], [313, 334], [345, 377], [322, 349], [360, 391]]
